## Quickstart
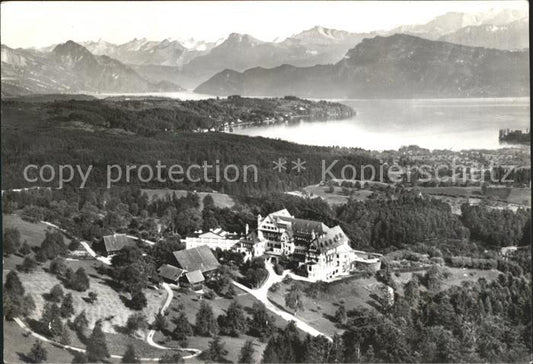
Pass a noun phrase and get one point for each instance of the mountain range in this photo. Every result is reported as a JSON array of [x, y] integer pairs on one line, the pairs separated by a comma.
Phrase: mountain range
[[70, 68], [398, 66], [143, 65]]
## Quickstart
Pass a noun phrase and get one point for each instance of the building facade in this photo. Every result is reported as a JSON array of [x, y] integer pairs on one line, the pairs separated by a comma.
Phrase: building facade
[[214, 238], [321, 252]]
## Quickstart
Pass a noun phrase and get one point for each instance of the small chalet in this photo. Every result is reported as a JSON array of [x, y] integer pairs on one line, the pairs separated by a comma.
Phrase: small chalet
[[114, 243], [169, 273]]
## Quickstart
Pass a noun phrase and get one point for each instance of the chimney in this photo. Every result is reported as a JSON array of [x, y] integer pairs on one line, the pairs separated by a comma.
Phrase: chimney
[[246, 229]]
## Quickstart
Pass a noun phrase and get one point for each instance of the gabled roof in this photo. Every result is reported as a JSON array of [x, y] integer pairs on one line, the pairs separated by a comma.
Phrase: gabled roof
[[251, 238], [117, 241], [302, 226], [332, 238], [200, 258], [283, 212], [170, 272], [195, 277]]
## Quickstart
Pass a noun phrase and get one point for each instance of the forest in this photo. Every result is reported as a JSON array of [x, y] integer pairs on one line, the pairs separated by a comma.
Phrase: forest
[[31, 136], [148, 116], [476, 322]]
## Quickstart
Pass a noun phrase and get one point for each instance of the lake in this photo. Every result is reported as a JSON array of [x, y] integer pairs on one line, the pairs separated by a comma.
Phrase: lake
[[390, 124]]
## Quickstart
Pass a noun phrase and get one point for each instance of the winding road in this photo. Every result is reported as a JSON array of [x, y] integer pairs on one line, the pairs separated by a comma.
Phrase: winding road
[[261, 294], [151, 333]]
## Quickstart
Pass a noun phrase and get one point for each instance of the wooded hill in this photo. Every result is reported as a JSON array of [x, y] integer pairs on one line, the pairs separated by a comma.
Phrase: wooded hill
[[105, 132]]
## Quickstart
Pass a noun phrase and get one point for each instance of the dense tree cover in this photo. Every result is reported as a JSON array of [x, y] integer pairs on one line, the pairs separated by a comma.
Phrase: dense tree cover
[[476, 322], [57, 145], [147, 116], [497, 228], [421, 224], [406, 220], [133, 270]]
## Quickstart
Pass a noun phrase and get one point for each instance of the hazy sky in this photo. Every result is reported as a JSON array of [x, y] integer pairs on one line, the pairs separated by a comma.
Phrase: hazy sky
[[27, 24]]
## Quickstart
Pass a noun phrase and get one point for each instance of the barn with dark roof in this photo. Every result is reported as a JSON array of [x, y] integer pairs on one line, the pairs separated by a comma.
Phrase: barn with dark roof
[[200, 258]]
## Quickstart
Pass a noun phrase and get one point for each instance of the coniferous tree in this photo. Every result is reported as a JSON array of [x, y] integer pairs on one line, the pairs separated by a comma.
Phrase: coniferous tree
[[233, 322], [171, 358], [217, 351], [11, 241], [51, 323], [206, 325], [160, 322], [246, 355], [38, 353], [67, 306], [25, 249], [130, 356], [13, 285], [80, 323], [183, 329], [340, 315], [28, 265], [65, 337], [56, 293], [97, 345], [79, 358]]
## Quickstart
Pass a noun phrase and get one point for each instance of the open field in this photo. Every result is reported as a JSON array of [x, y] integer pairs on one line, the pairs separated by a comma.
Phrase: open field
[[108, 307], [353, 293], [34, 234], [17, 344], [190, 302], [318, 312], [511, 195], [336, 197], [221, 199]]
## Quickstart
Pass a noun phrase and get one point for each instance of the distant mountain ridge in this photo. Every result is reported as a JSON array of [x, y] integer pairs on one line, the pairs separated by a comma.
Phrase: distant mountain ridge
[[398, 66], [189, 63], [453, 21], [510, 36], [70, 68]]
